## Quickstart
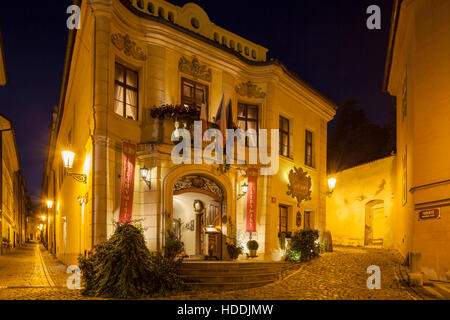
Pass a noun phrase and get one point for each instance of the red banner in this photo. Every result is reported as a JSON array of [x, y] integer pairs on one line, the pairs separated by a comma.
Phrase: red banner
[[126, 199], [252, 200]]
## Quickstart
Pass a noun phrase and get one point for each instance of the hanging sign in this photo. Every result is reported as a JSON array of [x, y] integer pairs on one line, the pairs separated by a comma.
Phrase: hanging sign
[[252, 201], [127, 190]]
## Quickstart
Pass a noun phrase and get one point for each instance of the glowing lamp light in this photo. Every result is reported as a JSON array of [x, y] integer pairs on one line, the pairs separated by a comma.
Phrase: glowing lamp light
[[145, 175], [68, 157], [43, 218], [49, 204], [244, 188], [331, 185]]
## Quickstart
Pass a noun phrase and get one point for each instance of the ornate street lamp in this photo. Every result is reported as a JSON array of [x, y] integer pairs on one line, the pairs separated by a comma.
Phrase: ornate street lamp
[[68, 157], [244, 189], [49, 204], [145, 175]]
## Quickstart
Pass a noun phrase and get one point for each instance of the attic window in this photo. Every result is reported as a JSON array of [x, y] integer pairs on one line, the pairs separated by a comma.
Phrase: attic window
[[195, 23], [161, 12], [171, 17], [140, 4], [151, 8], [216, 37]]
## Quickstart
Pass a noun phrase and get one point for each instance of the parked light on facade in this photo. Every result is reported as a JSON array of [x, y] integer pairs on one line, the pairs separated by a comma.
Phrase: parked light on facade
[[244, 189], [68, 157], [145, 174], [43, 218], [49, 204], [331, 185]]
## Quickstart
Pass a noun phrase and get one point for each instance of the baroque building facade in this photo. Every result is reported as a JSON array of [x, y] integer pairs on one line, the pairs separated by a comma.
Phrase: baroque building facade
[[130, 58]]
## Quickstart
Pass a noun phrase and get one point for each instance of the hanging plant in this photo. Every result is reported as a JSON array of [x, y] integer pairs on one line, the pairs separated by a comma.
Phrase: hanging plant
[[183, 113]]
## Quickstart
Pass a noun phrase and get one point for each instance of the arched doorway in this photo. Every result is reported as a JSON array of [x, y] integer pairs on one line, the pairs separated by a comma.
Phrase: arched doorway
[[197, 216], [375, 223]]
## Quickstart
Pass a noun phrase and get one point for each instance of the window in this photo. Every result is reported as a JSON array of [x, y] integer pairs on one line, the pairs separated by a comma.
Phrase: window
[[404, 95], [194, 94], [126, 92], [309, 148], [248, 118], [307, 223], [404, 178], [283, 218], [284, 136]]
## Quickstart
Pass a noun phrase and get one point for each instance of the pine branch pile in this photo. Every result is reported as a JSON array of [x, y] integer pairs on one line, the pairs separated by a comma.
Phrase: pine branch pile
[[123, 267]]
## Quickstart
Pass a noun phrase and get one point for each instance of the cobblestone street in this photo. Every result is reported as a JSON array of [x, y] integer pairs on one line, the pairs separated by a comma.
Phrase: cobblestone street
[[31, 273], [334, 276]]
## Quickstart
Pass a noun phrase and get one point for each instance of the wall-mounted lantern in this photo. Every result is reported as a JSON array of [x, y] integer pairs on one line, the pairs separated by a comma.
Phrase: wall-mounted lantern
[[331, 185], [68, 157], [244, 189], [49, 204], [145, 175]]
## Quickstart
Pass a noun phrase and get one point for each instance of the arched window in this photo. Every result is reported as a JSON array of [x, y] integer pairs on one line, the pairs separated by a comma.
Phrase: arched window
[[151, 8]]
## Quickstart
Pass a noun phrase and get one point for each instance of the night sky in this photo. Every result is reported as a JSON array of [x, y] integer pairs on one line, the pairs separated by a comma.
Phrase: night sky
[[325, 42]]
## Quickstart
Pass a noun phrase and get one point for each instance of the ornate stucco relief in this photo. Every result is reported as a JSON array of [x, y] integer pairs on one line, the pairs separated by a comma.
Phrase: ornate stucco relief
[[195, 69], [129, 47], [250, 90]]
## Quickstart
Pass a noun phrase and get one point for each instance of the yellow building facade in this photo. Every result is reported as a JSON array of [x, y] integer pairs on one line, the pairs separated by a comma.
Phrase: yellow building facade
[[360, 211], [13, 196], [417, 72], [131, 56]]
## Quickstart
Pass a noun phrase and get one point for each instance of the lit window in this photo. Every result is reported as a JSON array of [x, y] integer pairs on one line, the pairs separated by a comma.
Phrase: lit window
[[283, 219], [194, 94], [126, 92], [248, 118], [284, 137], [309, 148]]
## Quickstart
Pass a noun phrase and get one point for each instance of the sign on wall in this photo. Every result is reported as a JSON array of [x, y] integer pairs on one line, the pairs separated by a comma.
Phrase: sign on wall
[[252, 203], [430, 214], [127, 190]]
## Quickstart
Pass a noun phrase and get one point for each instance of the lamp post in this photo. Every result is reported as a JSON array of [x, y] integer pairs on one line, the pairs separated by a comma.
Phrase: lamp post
[[244, 189]]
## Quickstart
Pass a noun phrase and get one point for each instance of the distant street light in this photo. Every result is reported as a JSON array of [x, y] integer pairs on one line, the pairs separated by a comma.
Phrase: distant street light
[[49, 204]]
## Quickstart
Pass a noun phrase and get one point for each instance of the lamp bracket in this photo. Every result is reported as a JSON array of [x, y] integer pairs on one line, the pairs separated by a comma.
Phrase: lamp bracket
[[80, 177]]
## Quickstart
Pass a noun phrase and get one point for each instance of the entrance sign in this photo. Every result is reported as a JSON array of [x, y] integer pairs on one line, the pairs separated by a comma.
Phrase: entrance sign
[[127, 190], [252, 199], [430, 214]]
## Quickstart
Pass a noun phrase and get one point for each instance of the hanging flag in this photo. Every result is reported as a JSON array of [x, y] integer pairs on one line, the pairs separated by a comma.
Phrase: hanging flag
[[221, 118], [230, 123], [203, 115], [252, 200], [127, 190]]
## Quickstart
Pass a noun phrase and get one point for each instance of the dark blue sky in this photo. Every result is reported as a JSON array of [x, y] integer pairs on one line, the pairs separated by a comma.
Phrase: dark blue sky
[[325, 42]]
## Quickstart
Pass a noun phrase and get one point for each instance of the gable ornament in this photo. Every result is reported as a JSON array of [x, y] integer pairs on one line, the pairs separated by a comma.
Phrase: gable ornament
[[195, 69], [250, 90], [299, 185], [129, 47]]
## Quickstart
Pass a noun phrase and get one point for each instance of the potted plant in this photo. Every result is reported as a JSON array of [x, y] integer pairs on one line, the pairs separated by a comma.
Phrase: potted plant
[[233, 251], [252, 246]]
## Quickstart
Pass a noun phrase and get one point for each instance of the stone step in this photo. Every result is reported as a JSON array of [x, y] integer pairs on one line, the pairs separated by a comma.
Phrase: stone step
[[230, 272], [227, 286], [229, 278], [229, 266]]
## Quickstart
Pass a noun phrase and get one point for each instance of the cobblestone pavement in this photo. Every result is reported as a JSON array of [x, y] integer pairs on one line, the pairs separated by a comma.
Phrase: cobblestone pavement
[[340, 275], [31, 273]]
